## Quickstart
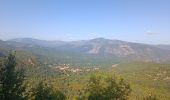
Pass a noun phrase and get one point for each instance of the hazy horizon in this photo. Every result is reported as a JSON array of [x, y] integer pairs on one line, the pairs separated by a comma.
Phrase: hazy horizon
[[82, 40], [142, 21]]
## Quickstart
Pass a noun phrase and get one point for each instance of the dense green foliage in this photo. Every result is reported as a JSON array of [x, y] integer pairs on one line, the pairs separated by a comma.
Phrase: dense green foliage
[[11, 80], [44, 91], [109, 88], [128, 81], [146, 78]]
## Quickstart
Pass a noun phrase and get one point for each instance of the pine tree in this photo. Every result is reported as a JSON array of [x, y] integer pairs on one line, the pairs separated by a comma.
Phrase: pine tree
[[11, 79]]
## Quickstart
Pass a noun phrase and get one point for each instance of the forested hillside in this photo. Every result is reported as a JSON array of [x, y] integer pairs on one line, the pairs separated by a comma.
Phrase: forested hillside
[[89, 51], [147, 78], [126, 81], [51, 71]]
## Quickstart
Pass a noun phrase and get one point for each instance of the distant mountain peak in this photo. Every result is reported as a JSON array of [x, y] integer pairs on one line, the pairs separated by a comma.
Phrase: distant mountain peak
[[95, 47], [100, 38]]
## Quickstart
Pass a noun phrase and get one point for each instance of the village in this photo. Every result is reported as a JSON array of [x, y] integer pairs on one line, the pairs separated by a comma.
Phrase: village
[[70, 68]]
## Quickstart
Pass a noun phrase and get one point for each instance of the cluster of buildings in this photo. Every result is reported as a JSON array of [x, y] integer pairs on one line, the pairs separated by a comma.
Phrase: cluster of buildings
[[67, 67]]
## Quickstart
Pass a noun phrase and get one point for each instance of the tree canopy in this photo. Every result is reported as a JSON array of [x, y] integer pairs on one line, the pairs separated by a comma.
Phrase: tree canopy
[[44, 91], [11, 79], [107, 88]]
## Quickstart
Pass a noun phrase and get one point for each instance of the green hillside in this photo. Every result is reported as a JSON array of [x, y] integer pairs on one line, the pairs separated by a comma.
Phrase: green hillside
[[147, 78]]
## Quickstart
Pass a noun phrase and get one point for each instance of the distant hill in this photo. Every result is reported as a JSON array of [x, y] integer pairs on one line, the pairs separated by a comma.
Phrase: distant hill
[[166, 47], [32, 41], [97, 48]]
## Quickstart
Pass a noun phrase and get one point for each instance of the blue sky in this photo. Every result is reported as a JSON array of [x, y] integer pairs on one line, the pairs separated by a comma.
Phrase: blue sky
[[146, 21]]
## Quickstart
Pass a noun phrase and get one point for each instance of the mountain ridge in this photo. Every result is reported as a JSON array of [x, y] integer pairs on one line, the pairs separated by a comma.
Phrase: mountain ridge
[[98, 47]]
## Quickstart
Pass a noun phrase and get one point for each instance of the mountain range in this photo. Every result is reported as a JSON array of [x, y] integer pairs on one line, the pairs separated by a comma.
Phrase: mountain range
[[97, 48]]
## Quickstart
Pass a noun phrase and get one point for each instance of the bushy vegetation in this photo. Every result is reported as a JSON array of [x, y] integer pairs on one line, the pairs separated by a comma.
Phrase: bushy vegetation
[[150, 97], [146, 78], [11, 80], [44, 91], [28, 81], [12, 85], [109, 88]]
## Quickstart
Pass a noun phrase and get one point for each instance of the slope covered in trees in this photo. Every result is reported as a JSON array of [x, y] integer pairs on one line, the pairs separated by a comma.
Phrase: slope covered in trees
[[13, 86], [33, 80], [146, 78]]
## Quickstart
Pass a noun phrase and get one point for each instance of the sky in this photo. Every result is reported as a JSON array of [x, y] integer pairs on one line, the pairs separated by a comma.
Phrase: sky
[[144, 21]]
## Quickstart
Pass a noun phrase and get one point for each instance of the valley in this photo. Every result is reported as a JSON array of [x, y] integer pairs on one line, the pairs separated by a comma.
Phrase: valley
[[84, 49], [69, 65]]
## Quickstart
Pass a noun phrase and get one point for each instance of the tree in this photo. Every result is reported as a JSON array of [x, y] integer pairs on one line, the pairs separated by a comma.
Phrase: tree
[[95, 88], [116, 89], [11, 79], [109, 88], [44, 91]]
